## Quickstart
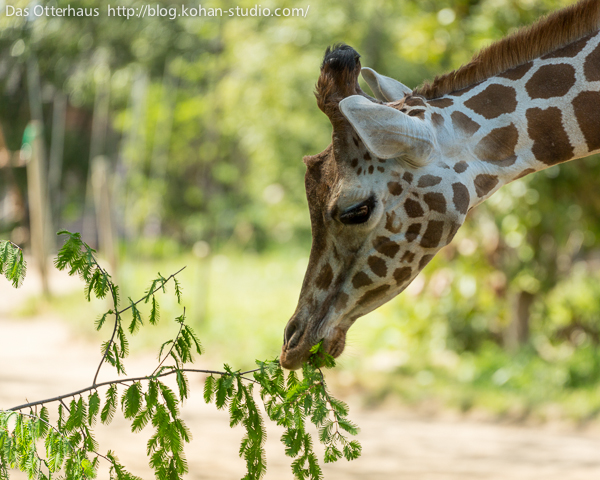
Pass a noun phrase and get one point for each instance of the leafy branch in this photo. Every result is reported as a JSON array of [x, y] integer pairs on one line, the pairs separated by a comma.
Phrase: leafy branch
[[70, 447], [12, 264]]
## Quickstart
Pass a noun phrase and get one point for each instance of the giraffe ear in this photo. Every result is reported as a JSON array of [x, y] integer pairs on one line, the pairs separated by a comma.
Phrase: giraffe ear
[[387, 132], [384, 88]]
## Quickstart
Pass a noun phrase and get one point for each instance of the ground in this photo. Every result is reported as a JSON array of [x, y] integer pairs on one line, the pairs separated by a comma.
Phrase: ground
[[397, 444]]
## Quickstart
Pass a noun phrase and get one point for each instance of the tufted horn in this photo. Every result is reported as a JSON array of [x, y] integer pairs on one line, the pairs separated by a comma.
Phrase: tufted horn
[[338, 80]]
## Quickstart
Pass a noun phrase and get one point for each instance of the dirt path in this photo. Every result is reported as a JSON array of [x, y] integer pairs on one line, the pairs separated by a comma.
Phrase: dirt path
[[52, 361]]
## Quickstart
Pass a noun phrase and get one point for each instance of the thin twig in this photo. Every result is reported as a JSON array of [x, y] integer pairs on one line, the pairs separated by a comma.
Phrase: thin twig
[[64, 404], [121, 381], [328, 399], [116, 311], [249, 379], [13, 244], [250, 371], [108, 345], [172, 346], [119, 312], [156, 289]]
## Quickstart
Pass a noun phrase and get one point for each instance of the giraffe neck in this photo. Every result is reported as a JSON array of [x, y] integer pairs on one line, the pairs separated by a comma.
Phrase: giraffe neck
[[526, 119]]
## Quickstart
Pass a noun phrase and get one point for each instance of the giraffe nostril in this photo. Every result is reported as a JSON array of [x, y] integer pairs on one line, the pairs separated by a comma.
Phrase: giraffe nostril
[[292, 335]]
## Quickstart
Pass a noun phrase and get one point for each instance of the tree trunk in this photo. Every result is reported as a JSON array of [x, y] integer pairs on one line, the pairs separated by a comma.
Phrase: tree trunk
[[517, 333]]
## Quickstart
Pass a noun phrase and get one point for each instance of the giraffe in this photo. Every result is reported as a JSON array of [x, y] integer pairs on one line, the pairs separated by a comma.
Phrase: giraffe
[[405, 167]]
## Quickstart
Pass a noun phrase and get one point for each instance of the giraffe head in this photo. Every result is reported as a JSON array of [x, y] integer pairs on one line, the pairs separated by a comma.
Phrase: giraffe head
[[382, 202]]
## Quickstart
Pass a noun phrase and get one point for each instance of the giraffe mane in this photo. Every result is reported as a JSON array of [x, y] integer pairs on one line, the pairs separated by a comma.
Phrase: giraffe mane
[[546, 35]]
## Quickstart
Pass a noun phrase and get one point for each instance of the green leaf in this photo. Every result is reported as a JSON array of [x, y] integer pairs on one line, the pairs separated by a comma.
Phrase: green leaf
[[100, 321], [182, 384], [162, 347], [169, 398], [319, 358], [347, 425], [77, 415], [298, 468], [131, 400], [318, 348], [223, 389], [177, 290], [179, 352], [209, 389], [325, 435], [352, 450], [313, 467], [102, 286], [194, 338], [152, 394], [108, 411], [88, 469], [141, 419], [154, 312], [292, 439], [332, 454], [236, 414], [339, 407], [320, 412], [150, 291], [292, 381], [90, 285], [115, 292], [181, 318], [61, 417], [183, 430], [90, 442], [12, 263], [117, 470], [123, 350], [136, 317], [70, 250], [117, 354], [163, 281]]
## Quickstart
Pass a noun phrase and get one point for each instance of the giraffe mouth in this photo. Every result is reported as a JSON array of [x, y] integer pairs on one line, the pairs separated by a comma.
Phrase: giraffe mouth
[[298, 340], [297, 344]]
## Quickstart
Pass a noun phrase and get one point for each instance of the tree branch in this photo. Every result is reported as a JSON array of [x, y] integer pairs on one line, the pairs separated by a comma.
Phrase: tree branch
[[121, 381]]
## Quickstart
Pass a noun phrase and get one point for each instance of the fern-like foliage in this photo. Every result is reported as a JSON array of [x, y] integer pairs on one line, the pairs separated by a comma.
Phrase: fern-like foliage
[[70, 450], [12, 264]]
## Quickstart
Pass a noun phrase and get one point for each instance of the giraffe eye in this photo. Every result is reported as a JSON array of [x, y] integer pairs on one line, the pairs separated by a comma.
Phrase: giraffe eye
[[358, 213]]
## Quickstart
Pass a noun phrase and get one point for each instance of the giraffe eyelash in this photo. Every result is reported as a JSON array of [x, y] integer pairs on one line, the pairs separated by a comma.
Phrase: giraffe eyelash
[[358, 214]]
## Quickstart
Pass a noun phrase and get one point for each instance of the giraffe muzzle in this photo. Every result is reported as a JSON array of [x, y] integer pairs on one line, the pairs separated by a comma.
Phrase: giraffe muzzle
[[296, 344], [299, 338]]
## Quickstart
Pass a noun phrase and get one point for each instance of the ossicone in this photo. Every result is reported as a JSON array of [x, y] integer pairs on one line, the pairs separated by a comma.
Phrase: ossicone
[[339, 79], [340, 57]]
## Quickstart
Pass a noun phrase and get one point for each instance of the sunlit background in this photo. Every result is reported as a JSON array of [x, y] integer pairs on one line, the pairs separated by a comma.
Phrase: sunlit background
[[171, 143]]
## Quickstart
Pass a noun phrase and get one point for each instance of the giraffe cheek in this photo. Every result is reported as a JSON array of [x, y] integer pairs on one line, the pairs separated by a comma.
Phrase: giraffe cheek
[[335, 344]]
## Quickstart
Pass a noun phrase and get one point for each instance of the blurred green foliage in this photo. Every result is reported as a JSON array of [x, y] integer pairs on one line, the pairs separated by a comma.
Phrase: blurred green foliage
[[209, 120]]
